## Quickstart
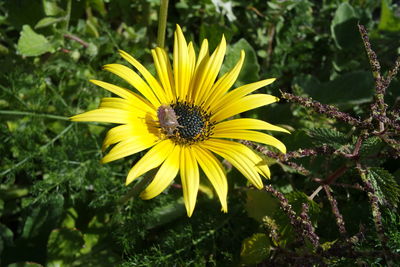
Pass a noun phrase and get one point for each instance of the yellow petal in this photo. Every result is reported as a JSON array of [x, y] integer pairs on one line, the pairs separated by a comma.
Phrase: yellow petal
[[190, 178], [246, 123], [129, 147], [111, 115], [167, 172], [206, 76], [135, 80], [200, 65], [125, 131], [203, 53], [214, 171], [120, 103], [192, 62], [243, 104], [157, 89], [164, 71], [117, 134], [239, 93], [181, 64], [224, 83], [127, 94], [240, 156], [153, 158], [251, 136]]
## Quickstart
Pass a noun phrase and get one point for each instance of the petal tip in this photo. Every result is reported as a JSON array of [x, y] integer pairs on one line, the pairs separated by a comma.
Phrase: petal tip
[[128, 181]]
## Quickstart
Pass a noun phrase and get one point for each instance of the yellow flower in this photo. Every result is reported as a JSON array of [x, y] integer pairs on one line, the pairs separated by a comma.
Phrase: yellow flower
[[181, 118]]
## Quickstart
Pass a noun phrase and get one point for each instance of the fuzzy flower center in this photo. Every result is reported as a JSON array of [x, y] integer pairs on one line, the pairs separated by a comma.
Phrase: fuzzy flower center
[[194, 124]]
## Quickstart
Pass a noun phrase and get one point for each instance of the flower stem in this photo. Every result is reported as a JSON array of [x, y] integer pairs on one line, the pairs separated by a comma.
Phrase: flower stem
[[162, 23]]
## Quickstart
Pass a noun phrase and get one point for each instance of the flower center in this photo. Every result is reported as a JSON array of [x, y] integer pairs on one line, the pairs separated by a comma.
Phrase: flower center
[[194, 124]]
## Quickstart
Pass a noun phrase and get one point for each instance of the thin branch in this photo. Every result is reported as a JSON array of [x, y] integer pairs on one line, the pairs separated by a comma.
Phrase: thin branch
[[328, 110], [335, 211], [76, 39], [302, 224]]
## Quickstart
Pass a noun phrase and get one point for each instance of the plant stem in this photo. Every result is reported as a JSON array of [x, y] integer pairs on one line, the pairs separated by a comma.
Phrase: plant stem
[[27, 113], [68, 15], [162, 23]]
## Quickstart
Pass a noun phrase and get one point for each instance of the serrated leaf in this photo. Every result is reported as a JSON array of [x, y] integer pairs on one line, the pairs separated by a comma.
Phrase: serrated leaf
[[371, 146], [250, 69], [48, 21], [385, 185], [31, 44], [63, 246], [255, 249], [325, 136]]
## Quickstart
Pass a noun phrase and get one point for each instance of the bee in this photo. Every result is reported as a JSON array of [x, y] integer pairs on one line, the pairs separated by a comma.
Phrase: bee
[[167, 119]]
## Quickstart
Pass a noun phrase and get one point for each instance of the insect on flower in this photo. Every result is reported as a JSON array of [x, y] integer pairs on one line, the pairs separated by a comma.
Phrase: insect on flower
[[167, 119], [191, 104]]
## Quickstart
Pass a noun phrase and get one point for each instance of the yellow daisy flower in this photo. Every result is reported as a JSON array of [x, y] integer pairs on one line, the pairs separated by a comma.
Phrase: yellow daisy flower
[[181, 118]]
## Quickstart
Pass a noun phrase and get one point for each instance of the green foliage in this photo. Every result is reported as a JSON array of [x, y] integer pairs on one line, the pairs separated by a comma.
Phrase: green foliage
[[60, 207], [32, 44], [250, 69], [385, 185], [325, 136], [255, 249]]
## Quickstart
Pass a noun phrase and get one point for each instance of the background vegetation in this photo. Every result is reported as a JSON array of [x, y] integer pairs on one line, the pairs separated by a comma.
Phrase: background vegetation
[[60, 207]]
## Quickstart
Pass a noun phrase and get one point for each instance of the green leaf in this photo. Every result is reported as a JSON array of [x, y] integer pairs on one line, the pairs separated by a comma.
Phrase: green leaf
[[31, 44], [51, 8], [91, 27], [99, 6], [63, 247], [259, 204], [44, 22], [326, 136], [344, 27], [385, 185], [92, 50], [21, 12], [347, 90], [44, 217], [371, 146], [25, 264], [255, 249], [328, 245], [167, 213], [389, 21], [6, 237], [250, 69]]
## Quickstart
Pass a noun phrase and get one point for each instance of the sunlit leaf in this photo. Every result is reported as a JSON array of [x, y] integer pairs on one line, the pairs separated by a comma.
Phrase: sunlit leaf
[[255, 249], [31, 44]]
